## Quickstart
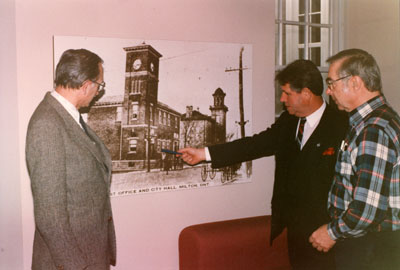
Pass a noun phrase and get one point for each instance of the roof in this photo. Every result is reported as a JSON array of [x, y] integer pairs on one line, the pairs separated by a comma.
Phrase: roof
[[118, 100], [110, 100], [219, 92], [196, 115], [164, 106], [143, 47]]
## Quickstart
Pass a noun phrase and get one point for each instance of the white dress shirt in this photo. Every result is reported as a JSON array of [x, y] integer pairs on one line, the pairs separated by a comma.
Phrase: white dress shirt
[[312, 122], [71, 109]]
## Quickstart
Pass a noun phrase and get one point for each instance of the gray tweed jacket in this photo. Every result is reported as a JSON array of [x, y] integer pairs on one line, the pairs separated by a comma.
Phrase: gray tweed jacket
[[70, 179]]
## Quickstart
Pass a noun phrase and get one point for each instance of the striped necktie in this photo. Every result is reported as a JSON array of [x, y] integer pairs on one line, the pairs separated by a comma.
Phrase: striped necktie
[[300, 131]]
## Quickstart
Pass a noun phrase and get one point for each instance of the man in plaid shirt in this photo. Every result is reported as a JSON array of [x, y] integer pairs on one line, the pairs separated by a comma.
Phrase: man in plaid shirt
[[364, 200]]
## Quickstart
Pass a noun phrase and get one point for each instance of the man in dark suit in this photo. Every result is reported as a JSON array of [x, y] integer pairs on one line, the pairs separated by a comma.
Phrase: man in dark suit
[[70, 171], [305, 154]]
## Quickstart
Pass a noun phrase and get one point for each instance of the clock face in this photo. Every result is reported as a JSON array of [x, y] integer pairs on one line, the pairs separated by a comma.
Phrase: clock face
[[152, 67], [137, 64]]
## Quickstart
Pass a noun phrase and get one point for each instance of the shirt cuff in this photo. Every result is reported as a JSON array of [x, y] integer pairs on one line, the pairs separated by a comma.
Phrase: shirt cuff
[[331, 232], [207, 153]]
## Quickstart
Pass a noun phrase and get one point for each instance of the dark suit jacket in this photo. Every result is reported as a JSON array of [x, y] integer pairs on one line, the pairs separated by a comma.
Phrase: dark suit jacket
[[70, 179], [302, 178]]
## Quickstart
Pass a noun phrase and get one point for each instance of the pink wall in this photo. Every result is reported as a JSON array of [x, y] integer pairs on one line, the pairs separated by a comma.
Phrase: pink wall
[[10, 198], [380, 20], [148, 225]]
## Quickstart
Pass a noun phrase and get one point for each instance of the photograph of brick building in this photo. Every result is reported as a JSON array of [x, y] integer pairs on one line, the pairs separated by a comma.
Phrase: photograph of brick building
[[199, 130], [135, 124]]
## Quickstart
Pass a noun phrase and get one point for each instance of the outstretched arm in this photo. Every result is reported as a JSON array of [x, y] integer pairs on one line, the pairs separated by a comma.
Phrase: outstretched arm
[[193, 156]]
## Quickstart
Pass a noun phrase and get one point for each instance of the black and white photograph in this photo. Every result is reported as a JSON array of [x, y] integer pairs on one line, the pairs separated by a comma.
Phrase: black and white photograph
[[161, 96]]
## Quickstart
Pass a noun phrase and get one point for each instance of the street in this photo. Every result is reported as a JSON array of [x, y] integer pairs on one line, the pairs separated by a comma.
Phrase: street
[[156, 180]]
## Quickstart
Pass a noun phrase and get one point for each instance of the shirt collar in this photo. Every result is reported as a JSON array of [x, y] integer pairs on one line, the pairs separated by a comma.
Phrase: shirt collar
[[359, 113], [313, 119], [71, 109]]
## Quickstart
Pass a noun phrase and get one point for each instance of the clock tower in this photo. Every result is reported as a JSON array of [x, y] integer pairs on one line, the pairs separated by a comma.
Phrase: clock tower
[[218, 113], [140, 102]]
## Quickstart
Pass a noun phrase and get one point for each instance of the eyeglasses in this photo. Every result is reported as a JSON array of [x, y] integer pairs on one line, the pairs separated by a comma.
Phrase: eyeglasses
[[330, 82], [101, 85]]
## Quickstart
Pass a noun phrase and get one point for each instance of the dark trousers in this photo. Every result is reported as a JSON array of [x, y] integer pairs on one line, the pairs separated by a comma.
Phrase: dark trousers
[[374, 251], [303, 256]]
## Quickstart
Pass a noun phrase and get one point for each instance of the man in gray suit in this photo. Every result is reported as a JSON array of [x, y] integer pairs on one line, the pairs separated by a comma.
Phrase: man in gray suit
[[70, 171]]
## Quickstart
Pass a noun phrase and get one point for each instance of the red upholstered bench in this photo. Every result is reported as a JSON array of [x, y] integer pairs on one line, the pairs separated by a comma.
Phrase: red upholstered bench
[[232, 244]]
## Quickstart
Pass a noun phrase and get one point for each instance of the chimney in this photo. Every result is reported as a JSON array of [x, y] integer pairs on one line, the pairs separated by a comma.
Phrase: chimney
[[189, 110]]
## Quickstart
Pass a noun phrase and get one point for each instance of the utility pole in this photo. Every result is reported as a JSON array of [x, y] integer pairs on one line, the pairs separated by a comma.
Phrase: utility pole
[[242, 122]]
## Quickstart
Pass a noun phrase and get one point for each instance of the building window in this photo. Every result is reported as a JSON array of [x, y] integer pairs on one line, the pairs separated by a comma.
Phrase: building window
[[159, 117], [169, 120], [176, 146], [135, 111], [159, 146], [136, 86], [118, 117], [132, 146], [305, 29], [151, 113], [164, 118], [133, 133], [176, 122]]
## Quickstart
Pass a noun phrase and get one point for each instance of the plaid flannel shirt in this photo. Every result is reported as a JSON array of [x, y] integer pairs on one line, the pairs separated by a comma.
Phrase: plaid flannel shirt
[[365, 193]]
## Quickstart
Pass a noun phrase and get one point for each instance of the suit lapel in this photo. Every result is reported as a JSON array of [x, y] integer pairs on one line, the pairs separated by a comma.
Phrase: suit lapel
[[291, 131], [101, 149], [95, 147]]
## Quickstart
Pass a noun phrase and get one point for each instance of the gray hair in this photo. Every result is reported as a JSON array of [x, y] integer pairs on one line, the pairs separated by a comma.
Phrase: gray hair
[[77, 66], [357, 62]]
